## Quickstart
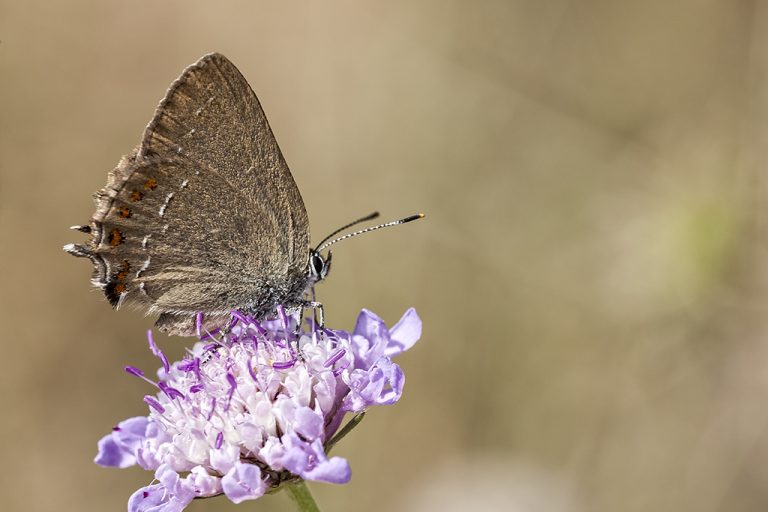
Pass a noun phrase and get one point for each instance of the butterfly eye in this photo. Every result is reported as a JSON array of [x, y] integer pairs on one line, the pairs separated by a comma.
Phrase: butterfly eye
[[317, 264]]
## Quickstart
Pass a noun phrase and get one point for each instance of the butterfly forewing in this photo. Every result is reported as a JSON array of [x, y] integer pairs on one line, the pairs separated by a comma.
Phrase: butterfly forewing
[[212, 115]]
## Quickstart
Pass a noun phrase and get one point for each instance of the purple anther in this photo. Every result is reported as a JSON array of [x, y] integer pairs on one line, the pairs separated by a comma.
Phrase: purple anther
[[253, 373], [199, 323], [219, 440], [335, 357], [188, 365], [210, 335], [253, 340], [337, 371], [191, 365], [116, 429], [283, 317], [232, 386], [134, 371], [156, 351], [150, 401], [232, 381], [257, 325], [196, 388], [239, 317], [169, 391], [213, 409], [283, 365]]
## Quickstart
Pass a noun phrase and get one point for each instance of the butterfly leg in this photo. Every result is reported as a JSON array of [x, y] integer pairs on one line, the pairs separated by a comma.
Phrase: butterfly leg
[[318, 313], [290, 311]]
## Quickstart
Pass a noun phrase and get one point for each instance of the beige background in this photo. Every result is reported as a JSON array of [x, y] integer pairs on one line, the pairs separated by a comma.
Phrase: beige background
[[591, 273]]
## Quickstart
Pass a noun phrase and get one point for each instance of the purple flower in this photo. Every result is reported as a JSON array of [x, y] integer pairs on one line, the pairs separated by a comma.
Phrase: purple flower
[[256, 408]]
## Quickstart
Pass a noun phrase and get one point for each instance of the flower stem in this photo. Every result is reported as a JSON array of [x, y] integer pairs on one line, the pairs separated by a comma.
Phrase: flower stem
[[299, 493], [355, 421]]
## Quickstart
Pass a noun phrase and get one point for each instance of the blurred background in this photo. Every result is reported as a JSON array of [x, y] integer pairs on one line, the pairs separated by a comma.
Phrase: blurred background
[[591, 273]]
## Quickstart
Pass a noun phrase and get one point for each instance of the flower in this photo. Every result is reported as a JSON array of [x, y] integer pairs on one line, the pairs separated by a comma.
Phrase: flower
[[256, 407]]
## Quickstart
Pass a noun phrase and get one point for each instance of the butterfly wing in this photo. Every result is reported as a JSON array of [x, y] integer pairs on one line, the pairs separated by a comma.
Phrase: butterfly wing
[[204, 215], [212, 115]]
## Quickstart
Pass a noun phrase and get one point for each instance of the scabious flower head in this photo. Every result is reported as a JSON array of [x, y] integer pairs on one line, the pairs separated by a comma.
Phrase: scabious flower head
[[256, 407]]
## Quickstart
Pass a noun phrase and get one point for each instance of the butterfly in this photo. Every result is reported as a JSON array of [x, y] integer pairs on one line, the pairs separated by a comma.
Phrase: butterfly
[[204, 216]]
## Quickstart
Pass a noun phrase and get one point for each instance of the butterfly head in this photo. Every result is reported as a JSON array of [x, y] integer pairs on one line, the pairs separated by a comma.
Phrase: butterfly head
[[319, 266]]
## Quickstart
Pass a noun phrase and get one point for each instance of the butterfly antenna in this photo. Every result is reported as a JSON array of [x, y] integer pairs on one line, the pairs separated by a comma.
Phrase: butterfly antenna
[[372, 228], [353, 223]]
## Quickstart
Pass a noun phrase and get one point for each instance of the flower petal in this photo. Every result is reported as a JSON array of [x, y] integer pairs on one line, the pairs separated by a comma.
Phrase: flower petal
[[308, 423], [381, 385], [112, 455], [204, 483], [308, 460], [118, 449], [404, 334], [335, 470], [149, 498], [243, 482], [153, 448], [224, 458], [369, 325], [156, 498]]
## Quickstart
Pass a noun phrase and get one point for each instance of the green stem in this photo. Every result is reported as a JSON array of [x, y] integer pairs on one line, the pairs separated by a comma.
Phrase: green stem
[[355, 421], [299, 493]]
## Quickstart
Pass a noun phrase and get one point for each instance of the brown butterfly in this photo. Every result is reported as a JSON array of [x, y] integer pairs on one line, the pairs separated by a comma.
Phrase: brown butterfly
[[204, 215]]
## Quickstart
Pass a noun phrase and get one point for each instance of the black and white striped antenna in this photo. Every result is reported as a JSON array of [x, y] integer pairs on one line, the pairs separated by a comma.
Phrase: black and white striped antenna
[[322, 245]]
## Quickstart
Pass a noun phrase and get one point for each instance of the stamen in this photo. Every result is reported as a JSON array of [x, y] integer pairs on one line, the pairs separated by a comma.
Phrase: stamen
[[253, 373], [170, 392], [284, 318], [150, 401], [335, 357], [157, 352], [284, 365], [257, 325], [232, 386], [210, 335], [337, 371], [219, 440], [239, 317], [132, 370], [191, 365]]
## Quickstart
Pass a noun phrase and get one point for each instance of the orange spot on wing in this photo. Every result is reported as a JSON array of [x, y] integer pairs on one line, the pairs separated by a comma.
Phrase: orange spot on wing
[[150, 184], [124, 212], [136, 196], [124, 269], [116, 237], [119, 288]]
